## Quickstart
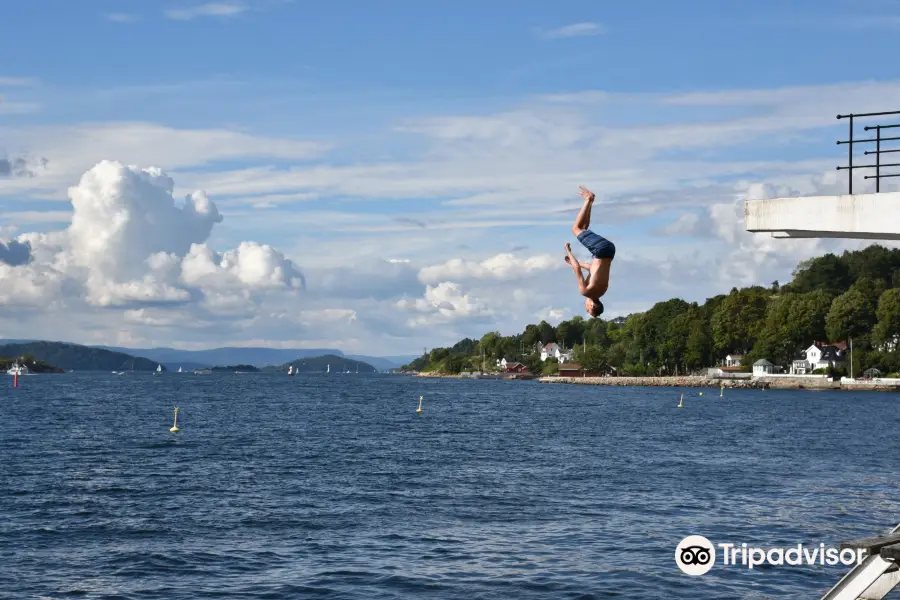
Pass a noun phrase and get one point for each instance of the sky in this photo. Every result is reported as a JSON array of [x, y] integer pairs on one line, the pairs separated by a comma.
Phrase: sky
[[384, 177]]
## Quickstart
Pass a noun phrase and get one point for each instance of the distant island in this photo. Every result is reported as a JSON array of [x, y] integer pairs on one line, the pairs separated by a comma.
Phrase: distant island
[[324, 364], [236, 369], [72, 357], [32, 364]]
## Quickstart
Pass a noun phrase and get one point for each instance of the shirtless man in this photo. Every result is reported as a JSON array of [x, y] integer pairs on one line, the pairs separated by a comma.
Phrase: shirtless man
[[603, 251]]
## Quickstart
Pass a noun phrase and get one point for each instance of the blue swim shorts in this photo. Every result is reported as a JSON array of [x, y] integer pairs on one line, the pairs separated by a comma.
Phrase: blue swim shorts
[[599, 246]]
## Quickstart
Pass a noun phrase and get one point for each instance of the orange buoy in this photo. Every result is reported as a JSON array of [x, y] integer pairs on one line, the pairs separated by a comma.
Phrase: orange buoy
[[15, 380]]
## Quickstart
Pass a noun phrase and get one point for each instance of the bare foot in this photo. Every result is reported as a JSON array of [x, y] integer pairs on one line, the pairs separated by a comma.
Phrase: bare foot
[[587, 194]]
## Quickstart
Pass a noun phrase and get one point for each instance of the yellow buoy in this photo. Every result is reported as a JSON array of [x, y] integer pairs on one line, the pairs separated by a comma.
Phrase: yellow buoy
[[175, 425], [701, 393], [419, 410], [681, 402]]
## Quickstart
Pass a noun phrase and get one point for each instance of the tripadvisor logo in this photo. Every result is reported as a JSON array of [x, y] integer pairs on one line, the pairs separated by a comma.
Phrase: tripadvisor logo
[[695, 555]]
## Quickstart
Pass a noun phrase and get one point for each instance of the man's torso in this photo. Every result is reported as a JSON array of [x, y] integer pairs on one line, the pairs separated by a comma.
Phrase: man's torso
[[599, 281]]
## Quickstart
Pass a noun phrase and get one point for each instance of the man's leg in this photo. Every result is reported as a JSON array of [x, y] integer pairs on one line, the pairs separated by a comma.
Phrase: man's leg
[[583, 220]]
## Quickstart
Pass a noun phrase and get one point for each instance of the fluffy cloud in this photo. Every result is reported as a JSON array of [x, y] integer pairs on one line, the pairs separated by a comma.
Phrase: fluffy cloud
[[500, 267], [131, 244], [443, 303]]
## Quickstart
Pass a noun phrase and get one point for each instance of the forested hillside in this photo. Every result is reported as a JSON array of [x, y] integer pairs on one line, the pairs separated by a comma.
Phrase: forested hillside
[[830, 298], [77, 357]]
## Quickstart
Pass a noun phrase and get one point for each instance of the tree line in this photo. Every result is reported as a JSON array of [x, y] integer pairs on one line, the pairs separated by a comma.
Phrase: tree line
[[830, 298]]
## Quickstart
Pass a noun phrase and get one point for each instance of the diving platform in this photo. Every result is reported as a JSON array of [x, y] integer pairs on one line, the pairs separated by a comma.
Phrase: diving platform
[[863, 216], [855, 216]]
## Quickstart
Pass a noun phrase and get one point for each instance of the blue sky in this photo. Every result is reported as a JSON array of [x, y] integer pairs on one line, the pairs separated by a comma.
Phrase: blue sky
[[439, 135]]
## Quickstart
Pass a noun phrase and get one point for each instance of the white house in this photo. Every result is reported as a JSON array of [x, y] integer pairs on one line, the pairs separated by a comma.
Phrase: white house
[[733, 360], [567, 356], [763, 367], [819, 356], [551, 350]]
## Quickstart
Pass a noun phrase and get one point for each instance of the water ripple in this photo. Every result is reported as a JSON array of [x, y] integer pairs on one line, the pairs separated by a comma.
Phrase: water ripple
[[332, 487]]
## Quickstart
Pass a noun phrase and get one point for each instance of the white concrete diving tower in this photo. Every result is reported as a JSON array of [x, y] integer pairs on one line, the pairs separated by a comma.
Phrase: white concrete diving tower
[[869, 216], [855, 216]]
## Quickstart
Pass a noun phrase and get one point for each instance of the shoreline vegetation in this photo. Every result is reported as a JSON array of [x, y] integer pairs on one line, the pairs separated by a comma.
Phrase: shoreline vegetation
[[833, 302]]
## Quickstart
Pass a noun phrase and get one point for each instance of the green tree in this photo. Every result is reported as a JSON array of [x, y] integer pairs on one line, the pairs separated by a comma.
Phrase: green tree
[[533, 362], [549, 368], [887, 329], [464, 346], [793, 321], [491, 345], [547, 333], [824, 273], [851, 316], [591, 359], [531, 336], [738, 320], [437, 355]]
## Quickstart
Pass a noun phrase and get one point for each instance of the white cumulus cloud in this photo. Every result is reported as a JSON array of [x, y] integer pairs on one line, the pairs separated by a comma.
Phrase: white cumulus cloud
[[500, 267], [131, 244]]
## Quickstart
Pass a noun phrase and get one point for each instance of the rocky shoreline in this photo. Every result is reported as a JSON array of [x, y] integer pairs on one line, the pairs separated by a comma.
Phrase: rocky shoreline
[[694, 381], [774, 383]]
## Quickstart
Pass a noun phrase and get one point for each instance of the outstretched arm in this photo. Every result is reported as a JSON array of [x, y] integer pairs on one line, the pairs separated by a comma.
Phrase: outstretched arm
[[576, 266]]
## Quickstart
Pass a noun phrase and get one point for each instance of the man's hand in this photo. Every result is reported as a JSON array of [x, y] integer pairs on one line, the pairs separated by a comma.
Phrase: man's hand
[[587, 194]]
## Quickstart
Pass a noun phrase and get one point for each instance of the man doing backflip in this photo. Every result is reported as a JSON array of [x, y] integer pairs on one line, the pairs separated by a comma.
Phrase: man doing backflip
[[602, 250]]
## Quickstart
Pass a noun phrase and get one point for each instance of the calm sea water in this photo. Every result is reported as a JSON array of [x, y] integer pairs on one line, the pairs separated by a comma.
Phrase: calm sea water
[[332, 487]]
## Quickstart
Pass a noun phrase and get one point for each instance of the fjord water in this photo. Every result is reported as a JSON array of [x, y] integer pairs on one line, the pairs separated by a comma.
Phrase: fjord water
[[332, 487]]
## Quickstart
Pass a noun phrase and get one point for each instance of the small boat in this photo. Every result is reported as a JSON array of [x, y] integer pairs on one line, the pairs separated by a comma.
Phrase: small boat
[[179, 370], [17, 369], [291, 370], [158, 370]]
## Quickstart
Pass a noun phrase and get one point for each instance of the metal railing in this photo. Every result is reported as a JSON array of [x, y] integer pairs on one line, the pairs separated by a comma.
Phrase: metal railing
[[877, 152]]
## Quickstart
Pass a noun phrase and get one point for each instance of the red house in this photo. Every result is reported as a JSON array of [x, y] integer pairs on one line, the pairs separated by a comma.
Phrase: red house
[[575, 370], [516, 367]]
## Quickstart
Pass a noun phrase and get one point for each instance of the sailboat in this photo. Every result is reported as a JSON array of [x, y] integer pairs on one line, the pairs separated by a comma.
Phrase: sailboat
[[158, 370], [328, 370], [291, 370], [179, 370]]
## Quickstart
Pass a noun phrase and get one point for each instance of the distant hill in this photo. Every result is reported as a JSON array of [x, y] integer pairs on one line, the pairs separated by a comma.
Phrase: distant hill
[[78, 358], [190, 360], [258, 357], [236, 369], [320, 364]]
